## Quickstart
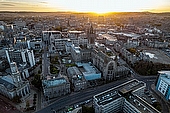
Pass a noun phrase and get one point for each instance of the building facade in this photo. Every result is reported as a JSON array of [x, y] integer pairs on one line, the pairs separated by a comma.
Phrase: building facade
[[103, 59], [123, 99], [89, 71], [106, 64], [21, 56], [13, 85], [55, 87], [76, 78], [163, 84]]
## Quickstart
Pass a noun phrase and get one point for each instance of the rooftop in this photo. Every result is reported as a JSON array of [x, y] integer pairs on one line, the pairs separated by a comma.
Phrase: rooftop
[[132, 35], [76, 32], [105, 57], [105, 99], [7, 82], [56, 32], [73, 71], [156, 55], [124, 88], [131, 87], [76, 49], [89, 71], [141, 105], [109, 37], [88, 68], [54, 82], [112, 94], [165, 75]]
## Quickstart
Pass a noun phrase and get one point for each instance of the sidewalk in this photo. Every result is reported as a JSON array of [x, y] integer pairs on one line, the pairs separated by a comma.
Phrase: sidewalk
[[6, 100], [22, 106]]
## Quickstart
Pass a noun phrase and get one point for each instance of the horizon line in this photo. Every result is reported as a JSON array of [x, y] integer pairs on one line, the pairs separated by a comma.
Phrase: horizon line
[[83, 12]]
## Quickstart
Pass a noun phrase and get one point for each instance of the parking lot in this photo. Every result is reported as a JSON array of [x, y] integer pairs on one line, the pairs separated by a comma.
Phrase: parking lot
[[159, 56]]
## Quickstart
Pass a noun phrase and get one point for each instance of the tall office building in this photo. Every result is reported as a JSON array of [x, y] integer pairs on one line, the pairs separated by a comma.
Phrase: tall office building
[[125, 98], [163, 84]]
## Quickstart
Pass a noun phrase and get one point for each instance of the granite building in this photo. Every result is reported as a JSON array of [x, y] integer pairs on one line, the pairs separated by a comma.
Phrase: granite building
[[12, 85]]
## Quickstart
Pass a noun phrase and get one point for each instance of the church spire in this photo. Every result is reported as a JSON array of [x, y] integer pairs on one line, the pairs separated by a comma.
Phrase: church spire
[[91, 29], [15, 74], [91, 35]]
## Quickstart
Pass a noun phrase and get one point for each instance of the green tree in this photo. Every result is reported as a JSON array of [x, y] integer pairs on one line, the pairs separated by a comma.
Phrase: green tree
[[149, 68], [37, 81]]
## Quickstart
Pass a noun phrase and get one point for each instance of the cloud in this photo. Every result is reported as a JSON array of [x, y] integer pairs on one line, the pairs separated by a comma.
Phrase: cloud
[[21, 6], [7, 4], [43, 2]]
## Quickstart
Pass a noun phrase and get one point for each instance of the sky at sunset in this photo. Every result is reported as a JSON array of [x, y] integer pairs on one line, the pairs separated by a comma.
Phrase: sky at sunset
[[97, 6]]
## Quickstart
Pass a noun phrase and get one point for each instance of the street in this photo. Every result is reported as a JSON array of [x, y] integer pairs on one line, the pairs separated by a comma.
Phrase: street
[[81, 96], [76, 97]]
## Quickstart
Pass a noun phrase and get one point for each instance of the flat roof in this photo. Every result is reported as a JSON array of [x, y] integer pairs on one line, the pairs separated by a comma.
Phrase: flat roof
[[132, 35], [165, 75], [76, 48], [131, 87], [124, 88], [156, 55], [112, 94], [88, 68], [76, 32], [108, 98], [51, 31], [74, 71], [109, 37], [149, 108], [164, 72]]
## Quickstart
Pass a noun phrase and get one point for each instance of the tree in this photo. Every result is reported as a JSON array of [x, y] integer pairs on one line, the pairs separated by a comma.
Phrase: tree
[[87, 109], [39, 71], [157, 105], [34, 99], [37, 81], [149, 68], [34, 103], [58, 28], [16, 99], [132, 50], [27, 104], [35, 95]]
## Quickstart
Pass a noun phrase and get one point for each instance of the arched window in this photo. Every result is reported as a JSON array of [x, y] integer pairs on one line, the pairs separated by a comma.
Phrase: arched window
[[111, 66]]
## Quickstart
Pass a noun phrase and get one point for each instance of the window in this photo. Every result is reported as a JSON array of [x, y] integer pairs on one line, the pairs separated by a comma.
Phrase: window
[[163, 91]]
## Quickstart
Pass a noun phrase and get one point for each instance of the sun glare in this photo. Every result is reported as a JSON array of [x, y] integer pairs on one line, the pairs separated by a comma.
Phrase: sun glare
[[103, 6]]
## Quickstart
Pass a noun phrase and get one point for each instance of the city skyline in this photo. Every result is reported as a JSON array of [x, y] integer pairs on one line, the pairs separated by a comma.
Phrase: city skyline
[[96, 6], [83, 62]]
